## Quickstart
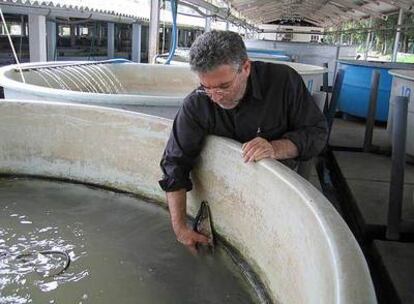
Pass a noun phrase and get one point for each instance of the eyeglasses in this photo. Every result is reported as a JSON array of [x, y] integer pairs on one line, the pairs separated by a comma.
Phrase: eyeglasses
[[221, 90]]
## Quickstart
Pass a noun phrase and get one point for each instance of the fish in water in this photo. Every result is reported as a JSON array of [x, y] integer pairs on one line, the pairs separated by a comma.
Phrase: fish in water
[[203, 224]]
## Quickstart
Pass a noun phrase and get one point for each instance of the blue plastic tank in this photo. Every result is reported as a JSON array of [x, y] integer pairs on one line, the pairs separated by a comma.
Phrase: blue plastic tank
[[355, 92], [267, 55], [266, 51]]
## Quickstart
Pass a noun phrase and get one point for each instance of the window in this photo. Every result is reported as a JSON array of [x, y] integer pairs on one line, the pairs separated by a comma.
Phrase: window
[[314, 38], [288, 36], [15, 29]]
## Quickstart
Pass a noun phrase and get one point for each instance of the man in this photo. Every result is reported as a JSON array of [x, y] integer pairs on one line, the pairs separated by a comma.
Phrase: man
[[265, 106]]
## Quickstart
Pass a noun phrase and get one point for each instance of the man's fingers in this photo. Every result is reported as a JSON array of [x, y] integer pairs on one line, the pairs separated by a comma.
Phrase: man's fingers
[[263, 154], [252, 155], [249, 156], [202, 239], [251, 141], [254, 152], [259, 154], [247, 146], [189, 237], [249, 152]]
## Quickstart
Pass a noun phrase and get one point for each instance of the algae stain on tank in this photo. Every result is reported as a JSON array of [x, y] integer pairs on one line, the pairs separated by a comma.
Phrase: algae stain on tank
[[122, 250]]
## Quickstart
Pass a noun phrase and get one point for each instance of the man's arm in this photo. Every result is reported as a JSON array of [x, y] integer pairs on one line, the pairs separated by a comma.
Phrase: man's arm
[[181, 152], [307, 127], [177, 206]]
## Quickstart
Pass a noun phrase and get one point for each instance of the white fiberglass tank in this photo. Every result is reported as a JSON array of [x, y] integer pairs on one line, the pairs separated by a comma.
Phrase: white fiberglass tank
[[114, 82], [284, 228]]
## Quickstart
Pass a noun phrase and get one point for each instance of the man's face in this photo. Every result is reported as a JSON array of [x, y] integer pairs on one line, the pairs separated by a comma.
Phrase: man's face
[[226, 84]]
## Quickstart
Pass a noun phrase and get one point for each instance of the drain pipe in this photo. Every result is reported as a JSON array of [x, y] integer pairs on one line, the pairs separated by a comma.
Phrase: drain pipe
[[173, 45], [399, 134]]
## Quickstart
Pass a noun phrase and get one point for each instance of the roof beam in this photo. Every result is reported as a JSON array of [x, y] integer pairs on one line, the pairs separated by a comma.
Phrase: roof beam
[[271, 14], [406, 5], [361, 8], [268, 6], [223, 13], [251, 4]]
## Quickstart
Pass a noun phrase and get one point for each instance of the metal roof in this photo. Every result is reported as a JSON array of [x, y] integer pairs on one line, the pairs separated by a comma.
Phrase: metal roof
[[79, 8], [318, 12], [124, 11], [321, 13]]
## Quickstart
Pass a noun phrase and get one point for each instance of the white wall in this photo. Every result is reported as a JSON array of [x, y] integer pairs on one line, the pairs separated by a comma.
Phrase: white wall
[[295, 37]]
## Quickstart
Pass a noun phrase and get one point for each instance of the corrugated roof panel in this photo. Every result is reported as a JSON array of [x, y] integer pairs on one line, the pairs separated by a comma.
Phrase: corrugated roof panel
[[326, 11]]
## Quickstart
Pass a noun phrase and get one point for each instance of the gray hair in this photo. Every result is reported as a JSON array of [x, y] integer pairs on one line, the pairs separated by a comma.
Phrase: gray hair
[[216, 48]]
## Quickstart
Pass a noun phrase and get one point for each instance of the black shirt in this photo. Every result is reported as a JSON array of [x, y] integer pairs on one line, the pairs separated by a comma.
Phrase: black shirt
[[276, 105]]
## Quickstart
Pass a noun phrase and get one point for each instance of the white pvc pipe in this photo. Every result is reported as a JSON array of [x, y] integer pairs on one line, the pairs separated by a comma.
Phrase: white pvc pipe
[[397, 36]]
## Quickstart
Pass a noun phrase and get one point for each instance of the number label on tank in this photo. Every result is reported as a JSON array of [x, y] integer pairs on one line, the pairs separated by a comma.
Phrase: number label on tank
[[405, 91]]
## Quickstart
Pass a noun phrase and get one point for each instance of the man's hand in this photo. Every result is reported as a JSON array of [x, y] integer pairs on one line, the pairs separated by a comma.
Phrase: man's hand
[[259, 148], [189, 237], [177, 202]]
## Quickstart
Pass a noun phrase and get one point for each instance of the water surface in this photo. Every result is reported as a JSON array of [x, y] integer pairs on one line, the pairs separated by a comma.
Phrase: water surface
[[122, 250]]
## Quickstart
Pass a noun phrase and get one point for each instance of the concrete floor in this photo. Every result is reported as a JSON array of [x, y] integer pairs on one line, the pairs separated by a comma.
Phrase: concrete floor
[[396, 261], [367, 176], [347, 133]]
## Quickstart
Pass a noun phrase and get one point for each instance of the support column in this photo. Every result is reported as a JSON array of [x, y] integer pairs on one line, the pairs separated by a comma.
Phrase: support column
[[181, 37], [397, 36], [368, 42], [37, 38], [136, 42], [154, 30], [207, 26], [227, 21], [98, 34], [51, 40], [185, 34], [110, 40], [72, 35]]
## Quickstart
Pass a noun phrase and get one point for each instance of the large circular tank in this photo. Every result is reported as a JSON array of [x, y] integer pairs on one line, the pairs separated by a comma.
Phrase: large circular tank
[[182, 56], [284, 228], [309, 53], [356, 87], [99, 82], [124, 83], [403, 85]]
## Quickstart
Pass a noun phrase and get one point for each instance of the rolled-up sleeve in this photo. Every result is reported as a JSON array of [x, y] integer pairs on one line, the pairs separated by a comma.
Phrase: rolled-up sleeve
[[307, 123], [183, 147]]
